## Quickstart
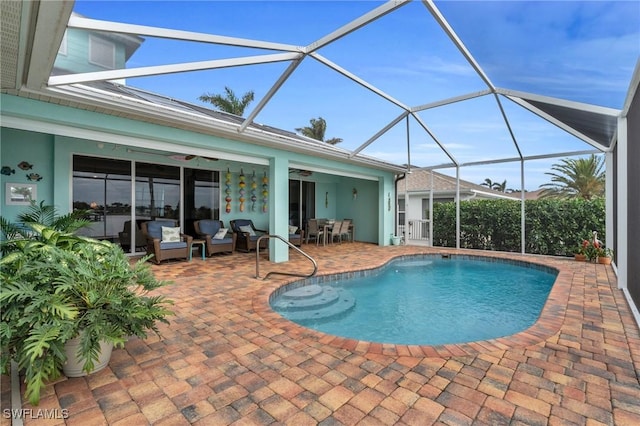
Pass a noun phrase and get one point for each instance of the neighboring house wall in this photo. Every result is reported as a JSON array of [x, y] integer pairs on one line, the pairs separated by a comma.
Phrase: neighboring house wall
[[82, 51]]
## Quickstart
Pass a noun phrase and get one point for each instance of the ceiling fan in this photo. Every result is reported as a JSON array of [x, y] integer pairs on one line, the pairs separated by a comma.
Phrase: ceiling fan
[[301, 172], [190, 157]]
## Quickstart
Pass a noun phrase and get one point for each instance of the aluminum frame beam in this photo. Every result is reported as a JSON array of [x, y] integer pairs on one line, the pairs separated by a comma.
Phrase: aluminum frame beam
[[60, 80], [352, 26], [143, 30]]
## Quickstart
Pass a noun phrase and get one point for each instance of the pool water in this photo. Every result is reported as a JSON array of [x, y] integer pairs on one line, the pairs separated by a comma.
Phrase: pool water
[[427, 301]]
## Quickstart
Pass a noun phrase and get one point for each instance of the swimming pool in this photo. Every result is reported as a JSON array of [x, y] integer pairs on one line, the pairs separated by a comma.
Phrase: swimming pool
[[422, 300]]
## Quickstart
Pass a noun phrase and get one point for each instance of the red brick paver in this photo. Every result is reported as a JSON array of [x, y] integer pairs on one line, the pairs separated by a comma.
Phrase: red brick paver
[[226, 358]]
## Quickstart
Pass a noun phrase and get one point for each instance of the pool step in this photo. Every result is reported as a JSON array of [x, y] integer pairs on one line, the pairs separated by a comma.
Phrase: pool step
[[314, 302]]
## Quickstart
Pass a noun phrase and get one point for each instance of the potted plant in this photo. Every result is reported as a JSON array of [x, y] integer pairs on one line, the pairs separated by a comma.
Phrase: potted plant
[[58, 286], [604, 255], [581, 251]]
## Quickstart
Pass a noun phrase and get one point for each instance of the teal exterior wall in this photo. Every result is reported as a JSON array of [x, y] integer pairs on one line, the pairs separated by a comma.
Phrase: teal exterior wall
[[58, 132], [76, 57], [37, 149]]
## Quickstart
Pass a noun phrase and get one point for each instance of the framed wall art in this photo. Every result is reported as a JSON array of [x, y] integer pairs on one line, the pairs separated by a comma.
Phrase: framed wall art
[[20, 194]]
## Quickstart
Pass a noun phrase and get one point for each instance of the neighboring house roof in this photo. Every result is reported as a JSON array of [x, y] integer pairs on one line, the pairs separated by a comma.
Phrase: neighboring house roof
[[419, 181], [529, 195]]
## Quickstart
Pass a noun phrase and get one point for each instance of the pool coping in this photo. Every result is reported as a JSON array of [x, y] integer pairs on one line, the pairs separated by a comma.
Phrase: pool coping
[[548, 324]]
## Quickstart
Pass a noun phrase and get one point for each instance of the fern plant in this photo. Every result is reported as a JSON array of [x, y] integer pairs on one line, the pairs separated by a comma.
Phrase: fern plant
[[57, 286]]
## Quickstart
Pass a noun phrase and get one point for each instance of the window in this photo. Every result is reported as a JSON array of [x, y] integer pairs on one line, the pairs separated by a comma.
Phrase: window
[[102, 52]]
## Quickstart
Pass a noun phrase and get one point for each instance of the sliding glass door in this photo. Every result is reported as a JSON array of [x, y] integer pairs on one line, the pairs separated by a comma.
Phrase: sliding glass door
[[302, 202], [104, 187], [201, 197]]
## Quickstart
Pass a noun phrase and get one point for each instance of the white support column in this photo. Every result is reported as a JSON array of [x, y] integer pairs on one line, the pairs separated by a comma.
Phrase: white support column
[[457, 207], [621, 257], [406, 208], [431, 212], [278, 208], [523, 237]]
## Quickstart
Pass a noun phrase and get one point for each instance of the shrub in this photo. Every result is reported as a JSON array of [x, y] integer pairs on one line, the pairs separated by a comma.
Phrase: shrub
[[552, 226]]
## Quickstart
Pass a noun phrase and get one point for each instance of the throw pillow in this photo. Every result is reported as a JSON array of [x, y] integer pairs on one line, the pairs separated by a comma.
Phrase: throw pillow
[[220, 234], [292, 229], [170, 235], [249, 229]]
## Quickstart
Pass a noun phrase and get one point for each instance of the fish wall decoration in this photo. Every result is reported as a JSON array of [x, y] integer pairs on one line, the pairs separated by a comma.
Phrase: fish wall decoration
[[25, 165], [6, 170], [34, 177]]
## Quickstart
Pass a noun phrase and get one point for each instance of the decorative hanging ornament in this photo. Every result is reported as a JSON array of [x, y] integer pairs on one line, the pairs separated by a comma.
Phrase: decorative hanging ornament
[[254, 186], [242, 185], [228, 191], [265, 192]]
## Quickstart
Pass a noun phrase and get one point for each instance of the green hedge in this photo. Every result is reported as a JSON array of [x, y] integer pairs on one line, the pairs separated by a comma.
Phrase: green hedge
[[552, 226]]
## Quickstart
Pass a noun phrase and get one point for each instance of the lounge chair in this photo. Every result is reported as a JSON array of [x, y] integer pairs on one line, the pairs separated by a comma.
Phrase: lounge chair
[[296, 235], [124, 236], [247, 235], [218, 238], [167, 243]]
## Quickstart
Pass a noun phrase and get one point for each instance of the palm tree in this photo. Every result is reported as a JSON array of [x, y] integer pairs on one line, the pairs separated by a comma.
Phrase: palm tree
[[502, 187], [317, 130], [496, 186], [576, 178], [488, 183], [229, 102]]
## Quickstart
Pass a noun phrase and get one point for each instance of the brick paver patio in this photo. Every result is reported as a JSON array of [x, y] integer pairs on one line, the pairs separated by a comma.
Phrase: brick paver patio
[[226, 358]]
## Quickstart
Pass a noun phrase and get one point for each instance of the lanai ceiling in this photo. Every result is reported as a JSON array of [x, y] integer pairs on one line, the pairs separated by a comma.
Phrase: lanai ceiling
[[373, 70]]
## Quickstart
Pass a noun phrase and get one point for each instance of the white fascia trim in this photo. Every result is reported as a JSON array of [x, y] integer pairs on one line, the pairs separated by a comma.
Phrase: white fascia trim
[[124, 140], [142, 30], [52, 17], [331, 171]]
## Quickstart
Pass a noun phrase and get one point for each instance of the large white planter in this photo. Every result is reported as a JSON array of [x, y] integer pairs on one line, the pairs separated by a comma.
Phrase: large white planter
[[73, 366]]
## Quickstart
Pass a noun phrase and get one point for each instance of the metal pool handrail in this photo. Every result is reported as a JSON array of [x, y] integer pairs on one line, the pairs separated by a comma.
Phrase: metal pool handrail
[[315, 265]]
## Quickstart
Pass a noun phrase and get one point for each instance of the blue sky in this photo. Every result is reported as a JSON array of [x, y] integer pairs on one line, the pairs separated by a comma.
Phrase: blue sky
[[580, 51]]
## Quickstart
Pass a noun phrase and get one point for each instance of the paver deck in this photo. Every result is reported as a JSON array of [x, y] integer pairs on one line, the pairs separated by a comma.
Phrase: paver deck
[[226, 358]]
